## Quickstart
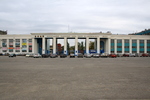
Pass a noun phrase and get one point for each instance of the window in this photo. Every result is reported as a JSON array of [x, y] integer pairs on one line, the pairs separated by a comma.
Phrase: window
[[17, 45], [119, 51], [133, 51], [112, 40], [141, 46], [4, 42], [134, 41], [141, 41], [119, 46], [126, 46], [24, 45], [119, 41], [126, 51], [4, 45], [30, 45], [134, 46], [126, 41]]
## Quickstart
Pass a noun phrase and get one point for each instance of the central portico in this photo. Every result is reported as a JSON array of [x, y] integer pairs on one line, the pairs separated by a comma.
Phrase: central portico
[[102, 41]]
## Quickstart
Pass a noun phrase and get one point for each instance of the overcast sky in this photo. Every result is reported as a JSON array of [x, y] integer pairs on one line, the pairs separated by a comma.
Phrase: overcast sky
[[32, 16]]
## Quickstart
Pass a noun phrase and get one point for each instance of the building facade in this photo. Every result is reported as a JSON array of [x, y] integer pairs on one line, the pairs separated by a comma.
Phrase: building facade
[[104, 42]]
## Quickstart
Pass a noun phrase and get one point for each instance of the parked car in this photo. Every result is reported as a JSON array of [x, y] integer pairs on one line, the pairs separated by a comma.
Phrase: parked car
[[119, 55], [85, 54], [12, 55], [63, 55], [96, 55], [88, 55], [105, 55], [1, 54], [28, 55], [145, 55], [45, 55], [37, 55], [72, 55], [132, 55], [80, 55], [113, 55], [126, 55], [53, 55]]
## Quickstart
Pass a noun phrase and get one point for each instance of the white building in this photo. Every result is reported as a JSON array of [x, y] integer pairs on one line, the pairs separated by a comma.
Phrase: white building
[[105, 42]]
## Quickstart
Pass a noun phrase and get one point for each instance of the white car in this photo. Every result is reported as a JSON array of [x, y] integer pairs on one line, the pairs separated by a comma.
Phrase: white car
[[37, 55], [27, 55], [104, 55]]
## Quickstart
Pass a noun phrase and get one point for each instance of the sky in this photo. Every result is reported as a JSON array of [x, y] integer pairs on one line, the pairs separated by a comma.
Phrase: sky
[[44, 16]]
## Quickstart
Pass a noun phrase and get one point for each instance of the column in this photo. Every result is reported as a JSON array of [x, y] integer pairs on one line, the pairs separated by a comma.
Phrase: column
[[65, 45], [138, 46], [130, 46], [98, 44], [54, 45], [115, 49], [87, 44], [145, 46], [76, 45], [33, 45], [122, 46], [43, 45], [108, 46]]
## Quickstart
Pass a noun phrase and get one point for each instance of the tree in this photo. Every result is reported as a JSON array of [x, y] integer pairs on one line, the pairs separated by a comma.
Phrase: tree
[[91, 45]]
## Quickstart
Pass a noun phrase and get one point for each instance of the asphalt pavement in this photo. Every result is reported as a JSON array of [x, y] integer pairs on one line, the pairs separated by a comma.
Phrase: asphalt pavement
[[24, 78]]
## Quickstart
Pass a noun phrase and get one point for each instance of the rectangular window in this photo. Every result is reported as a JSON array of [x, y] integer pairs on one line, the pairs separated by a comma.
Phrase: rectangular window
[[4, 42], [24, 45], [141, 46], [133, 51], [126, 46], [141, 41], [119, 51], [134, 46], [119, 41], [17, 49], [126, 51], [30, 45], [112, 45], [4, 45], [11, 45], [112, 41], [119, 46], [148, 41], [126, 41], [134, 41]]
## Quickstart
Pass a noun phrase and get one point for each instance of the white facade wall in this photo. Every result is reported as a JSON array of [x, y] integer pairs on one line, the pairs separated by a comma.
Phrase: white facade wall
[[106, 38]]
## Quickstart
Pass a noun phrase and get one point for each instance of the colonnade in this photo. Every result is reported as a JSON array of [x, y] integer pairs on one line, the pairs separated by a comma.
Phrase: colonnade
[[76, 45]]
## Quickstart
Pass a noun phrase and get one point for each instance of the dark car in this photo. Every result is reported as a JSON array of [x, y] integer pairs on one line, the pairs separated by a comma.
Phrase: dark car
[[80, 55], [1, 54], [53, 55], [12, 55], [63, 55], [72, 55], [144, 55], [45, 55], [126, 55], [112, 55]]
